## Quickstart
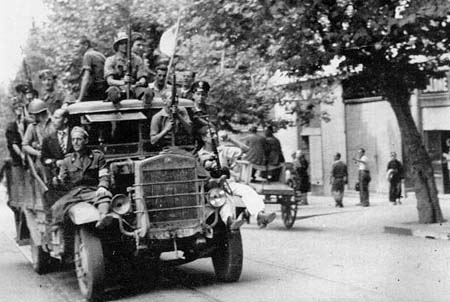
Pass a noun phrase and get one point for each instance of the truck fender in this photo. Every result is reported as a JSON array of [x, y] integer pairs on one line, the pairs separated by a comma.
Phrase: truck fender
[[82, 213]]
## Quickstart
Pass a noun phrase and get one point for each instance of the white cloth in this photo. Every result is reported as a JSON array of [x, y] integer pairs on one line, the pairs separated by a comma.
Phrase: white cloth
[[363, 164], [63, 136], [252, 200]]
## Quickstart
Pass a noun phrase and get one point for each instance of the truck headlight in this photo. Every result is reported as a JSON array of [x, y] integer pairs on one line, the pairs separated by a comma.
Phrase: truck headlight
[[216, 197], [120, 204]]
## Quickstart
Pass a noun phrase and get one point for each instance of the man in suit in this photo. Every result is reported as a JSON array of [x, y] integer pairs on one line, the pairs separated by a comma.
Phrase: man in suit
[[58, 143]]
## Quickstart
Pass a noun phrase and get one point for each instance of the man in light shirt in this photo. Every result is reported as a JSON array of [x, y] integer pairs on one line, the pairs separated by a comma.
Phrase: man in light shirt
[[363, 177]]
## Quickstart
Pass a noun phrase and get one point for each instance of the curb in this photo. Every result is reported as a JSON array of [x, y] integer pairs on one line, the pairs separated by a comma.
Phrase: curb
[[408, 231]]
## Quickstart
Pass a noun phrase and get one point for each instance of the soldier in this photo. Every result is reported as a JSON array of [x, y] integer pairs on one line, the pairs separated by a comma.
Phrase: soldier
[[93, 84], [56, 145], [84, 174], [53, 97], [203, 113], [118, 80], [35, 133], [166, 119]]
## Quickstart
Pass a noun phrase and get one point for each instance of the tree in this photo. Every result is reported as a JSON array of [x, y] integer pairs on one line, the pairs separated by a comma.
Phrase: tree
[[237, 77], [397, 43]]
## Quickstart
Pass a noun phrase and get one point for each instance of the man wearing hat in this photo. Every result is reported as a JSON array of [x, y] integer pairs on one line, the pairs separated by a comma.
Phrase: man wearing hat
[[53, 97], [35, 133], [116, 73], [15, 131], [85, 175], [26, 94], [203, 113], [93, 84]]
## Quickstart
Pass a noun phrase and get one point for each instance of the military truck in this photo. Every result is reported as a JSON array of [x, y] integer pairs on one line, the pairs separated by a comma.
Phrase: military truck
[[161, 209]]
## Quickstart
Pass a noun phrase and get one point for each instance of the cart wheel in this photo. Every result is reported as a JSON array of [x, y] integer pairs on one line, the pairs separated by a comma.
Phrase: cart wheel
[[288, 213], [89, 264]]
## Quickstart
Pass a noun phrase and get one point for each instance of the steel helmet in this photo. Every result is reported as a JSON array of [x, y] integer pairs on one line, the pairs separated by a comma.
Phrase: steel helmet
[[121, 36], [36, 106]]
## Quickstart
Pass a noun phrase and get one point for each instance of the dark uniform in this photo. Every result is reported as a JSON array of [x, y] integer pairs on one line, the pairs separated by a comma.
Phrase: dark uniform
[[395, 181], [80, 173], [339, 176]]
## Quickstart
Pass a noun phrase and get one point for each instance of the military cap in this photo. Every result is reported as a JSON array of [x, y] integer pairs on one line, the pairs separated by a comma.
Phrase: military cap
[[121, 36], [78, 129], [25, 88], [46, 73], [136, 37], [200, 86]]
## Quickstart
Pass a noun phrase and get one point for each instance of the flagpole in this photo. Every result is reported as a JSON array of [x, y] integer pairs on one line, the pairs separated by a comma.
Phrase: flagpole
[[177, 27]]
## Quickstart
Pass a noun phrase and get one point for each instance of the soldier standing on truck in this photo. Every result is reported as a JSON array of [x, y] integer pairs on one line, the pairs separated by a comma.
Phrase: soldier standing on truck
[[117, 77], [93, 85], [85, 175]]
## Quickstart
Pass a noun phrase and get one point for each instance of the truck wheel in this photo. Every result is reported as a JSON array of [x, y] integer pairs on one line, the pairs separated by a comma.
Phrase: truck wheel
[[227, 258], [40, 259], [89, 264]]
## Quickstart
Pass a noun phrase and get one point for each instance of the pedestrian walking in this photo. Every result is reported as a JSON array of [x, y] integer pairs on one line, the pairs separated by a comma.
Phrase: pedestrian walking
[[363, 177], [395, 176], [338, 180], [301, 178]]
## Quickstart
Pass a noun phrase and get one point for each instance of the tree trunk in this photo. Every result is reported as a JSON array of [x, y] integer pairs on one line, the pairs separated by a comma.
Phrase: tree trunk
[[420, 164]]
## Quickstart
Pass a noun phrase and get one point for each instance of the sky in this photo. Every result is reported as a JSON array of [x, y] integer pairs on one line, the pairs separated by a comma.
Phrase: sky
[[16, 17]]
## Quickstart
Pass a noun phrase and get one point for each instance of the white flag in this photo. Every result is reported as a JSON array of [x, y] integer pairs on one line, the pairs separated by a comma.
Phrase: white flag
[[168, 41]]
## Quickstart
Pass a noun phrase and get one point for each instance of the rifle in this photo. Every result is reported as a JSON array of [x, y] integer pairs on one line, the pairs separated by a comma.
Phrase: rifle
[[129, 67], [28, 79], [214, 147], [174, 107]]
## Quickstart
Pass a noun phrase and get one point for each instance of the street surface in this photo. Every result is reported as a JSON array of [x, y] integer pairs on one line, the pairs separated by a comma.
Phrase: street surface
[[329, 255]]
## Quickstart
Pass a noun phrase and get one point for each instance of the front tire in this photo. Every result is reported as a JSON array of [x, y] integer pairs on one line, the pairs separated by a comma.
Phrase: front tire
[[228, 257], [89, 264]]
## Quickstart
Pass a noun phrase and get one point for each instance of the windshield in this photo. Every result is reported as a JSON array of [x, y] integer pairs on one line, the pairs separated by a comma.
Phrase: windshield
[[114, 136]]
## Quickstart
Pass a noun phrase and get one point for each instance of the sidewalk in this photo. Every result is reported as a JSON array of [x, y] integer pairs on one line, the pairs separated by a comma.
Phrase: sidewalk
[[380, 217]]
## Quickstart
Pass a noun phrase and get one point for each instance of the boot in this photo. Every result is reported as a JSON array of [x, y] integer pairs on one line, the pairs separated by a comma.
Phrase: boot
[[264, 219]]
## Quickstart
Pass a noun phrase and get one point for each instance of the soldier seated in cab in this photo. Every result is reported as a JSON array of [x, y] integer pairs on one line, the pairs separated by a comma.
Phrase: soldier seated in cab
[[85, 175]]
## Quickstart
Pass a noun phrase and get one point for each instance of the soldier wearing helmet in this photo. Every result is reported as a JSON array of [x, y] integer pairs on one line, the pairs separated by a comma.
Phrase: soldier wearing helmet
[[50, 95], [116, 73], [85, 175], [35, 133]]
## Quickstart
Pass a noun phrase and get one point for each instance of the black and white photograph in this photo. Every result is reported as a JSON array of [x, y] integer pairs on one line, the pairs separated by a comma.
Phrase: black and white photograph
[[225, 150]]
